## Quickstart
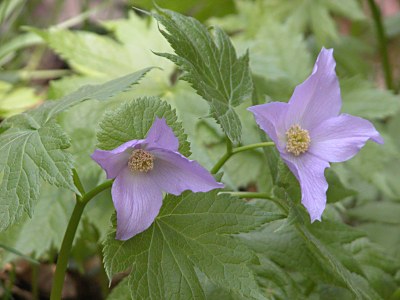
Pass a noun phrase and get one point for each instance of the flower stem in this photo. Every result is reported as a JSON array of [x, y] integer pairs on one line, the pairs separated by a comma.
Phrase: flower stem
[[249, 195], [257, 195], [382, 40], [232, 151], [69, 235]]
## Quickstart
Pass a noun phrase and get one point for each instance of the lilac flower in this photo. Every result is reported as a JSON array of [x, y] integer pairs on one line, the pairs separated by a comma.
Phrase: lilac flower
[[309, 132], [143, 169]]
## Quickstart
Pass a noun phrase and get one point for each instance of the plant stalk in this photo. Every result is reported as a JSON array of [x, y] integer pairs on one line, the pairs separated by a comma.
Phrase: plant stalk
[[232, 151], [69, 236], [382, 40]]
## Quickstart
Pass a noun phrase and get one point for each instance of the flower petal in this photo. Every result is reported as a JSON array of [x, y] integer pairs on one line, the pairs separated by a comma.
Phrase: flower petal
[[270, 118], [339, 139], [160, 135], [309, 171], [137, 200], [113, 161], [174, 173], [318, 97]]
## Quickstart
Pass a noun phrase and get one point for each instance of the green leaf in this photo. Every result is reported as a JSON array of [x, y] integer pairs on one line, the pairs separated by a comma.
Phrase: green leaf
[[15, 100], [134, 119], [362, 99], [36, 236], [304, 15], [315, 251], [200, 9], [100, 92], [336, 190], [121, 291], [33, 146], [382, 211], [99, 58], [191, 231], [29, 151], [210, 65]]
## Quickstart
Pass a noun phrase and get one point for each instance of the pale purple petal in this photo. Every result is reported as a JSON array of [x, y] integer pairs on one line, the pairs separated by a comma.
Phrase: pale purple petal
[[174, 173], [339, 139], [270, 117], [318, 97], [113, 161], [309, 171], [160, 135], [137, 200]]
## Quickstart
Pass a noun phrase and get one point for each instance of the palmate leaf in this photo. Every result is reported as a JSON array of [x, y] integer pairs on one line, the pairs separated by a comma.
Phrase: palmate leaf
[[32, 146], [210, 65], [191, 232]]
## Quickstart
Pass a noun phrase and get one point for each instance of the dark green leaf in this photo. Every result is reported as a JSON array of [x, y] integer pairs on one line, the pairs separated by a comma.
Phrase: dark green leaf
[[210, 65]]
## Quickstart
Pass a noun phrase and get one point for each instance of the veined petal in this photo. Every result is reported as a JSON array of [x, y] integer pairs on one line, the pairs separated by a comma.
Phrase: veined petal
[[137, 200], [113, 161], [309, 171], [318, 97], [160, 135], [339, 139], [270, 117], [174, 173]]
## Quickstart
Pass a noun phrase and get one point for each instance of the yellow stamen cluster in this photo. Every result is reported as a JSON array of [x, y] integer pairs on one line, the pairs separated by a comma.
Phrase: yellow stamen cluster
[[141, 161], [298, 140]]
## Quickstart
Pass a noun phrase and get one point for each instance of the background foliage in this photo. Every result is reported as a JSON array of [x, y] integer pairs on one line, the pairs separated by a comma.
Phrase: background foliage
[[259, 51]]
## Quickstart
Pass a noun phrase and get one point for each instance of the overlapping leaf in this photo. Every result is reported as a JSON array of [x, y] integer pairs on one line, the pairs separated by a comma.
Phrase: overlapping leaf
[[191, 232], [210, 65], [133, 120]]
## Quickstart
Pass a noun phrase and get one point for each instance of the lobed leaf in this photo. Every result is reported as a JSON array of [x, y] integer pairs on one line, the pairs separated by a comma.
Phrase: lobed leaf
[[191, 232], [210, 65]]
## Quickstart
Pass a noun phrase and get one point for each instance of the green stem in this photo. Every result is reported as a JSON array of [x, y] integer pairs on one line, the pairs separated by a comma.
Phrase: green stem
[[248, 195], [14, 76], [382, 40], [252, 146], [232, 151], [258, 195], [69, 235]]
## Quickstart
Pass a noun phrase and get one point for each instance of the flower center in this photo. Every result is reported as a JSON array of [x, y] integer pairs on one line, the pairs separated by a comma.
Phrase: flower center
[[141, 161], [298, 140]]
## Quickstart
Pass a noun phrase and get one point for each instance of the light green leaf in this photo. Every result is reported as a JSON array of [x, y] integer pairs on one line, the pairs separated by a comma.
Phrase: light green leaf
[[32, 146], [191, 231], [210, 65], [362, 99], [29, 151], [303, 15], [101, 58], [36, 236], [382, 211], [15, 100], [97, 54], [134, 119], [100, 92]]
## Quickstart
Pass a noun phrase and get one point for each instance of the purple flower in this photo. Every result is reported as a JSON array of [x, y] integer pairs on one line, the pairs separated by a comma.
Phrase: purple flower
[[143, 169], [309, 132]]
